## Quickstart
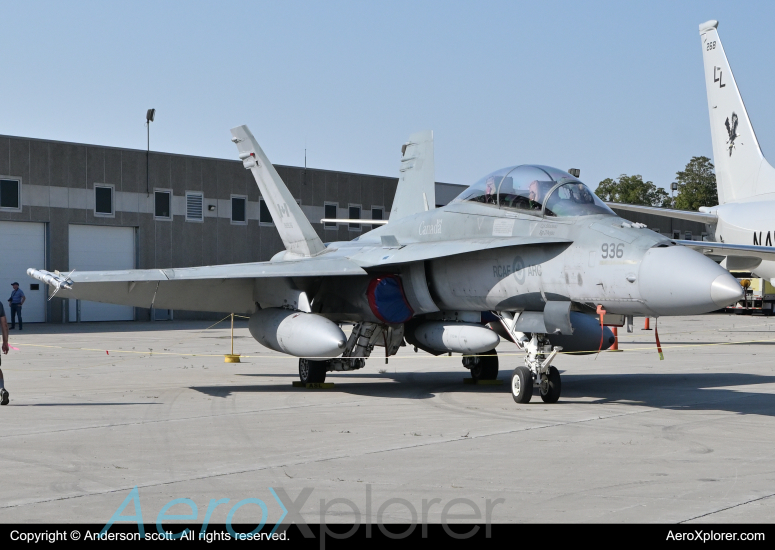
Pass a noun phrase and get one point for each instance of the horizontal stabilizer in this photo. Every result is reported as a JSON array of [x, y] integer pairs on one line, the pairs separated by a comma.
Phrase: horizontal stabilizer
[[702, 217], [340, 220]]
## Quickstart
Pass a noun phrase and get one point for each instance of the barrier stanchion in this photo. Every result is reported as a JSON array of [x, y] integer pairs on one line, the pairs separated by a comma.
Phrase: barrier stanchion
[[230, 357]]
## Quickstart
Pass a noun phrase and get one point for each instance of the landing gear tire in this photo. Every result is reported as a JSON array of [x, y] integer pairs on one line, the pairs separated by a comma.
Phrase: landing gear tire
[[522, 385], [552, 392], [312, 372], [487, 368]]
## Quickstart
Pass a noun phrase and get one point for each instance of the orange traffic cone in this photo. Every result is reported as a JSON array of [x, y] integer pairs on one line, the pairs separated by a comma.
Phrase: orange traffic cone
[[646, 327], [615, 345]]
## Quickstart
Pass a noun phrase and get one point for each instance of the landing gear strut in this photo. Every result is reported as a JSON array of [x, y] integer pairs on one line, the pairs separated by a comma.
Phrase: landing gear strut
[[484, 366], [538, 371]]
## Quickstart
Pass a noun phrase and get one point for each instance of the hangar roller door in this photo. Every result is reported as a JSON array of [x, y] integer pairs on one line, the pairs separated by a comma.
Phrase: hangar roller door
[[101, 248], [23, 245]]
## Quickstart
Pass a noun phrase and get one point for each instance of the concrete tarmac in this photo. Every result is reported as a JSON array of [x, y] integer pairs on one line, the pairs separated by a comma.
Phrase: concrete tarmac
[[99, 408]]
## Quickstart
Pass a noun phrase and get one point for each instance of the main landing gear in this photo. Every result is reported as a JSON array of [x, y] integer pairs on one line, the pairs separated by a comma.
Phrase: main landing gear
[[483, 366], [360, 344], [312, 372], [538, 372]]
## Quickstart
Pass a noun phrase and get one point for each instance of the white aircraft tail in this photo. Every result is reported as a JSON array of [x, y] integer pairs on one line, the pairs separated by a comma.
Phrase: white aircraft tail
[[416, 191], [742, 172], [297, 233]]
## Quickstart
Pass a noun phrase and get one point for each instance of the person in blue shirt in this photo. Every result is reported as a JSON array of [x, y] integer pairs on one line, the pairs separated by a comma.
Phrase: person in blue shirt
[[15, 301], [4, 330]]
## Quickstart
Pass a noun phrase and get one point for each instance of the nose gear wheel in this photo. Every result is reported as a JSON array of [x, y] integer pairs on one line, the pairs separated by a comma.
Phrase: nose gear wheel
[[522, 385]]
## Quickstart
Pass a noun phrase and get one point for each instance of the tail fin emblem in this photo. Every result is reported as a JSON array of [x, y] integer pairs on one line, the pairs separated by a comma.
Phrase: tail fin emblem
[[732, 131]]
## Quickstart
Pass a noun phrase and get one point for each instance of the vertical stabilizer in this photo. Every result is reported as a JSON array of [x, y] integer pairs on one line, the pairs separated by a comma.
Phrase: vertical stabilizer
[[416, 191], [741, 170], [295, 230]]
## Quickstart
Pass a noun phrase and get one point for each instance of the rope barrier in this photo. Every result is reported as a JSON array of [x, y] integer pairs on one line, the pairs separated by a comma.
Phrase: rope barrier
[[152, 353]]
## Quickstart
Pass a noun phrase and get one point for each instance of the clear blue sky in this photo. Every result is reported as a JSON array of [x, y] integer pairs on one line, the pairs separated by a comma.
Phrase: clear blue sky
[[608, 87]]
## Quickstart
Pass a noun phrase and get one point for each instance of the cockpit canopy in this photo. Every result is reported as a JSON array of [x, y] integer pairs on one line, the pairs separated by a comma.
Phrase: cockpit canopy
[[537, 190]]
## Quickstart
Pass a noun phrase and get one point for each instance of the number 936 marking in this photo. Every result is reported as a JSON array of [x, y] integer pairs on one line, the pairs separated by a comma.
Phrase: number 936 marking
[[612, 250]]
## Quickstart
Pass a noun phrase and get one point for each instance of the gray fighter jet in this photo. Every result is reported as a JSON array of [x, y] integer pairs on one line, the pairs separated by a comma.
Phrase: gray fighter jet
[[527, 252]]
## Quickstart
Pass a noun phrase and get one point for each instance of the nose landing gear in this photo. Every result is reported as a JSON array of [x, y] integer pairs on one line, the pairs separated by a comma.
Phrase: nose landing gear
[[538, 371]]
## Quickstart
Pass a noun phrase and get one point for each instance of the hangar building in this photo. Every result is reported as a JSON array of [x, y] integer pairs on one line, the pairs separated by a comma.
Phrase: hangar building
[[89, 207]]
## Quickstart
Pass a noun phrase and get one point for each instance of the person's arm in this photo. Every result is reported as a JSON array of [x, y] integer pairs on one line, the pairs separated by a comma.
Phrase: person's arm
[[4, 329], [24, 299]]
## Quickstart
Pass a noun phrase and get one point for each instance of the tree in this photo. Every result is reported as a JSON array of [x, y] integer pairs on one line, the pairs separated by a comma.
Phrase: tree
[[632, 190], [696, 185]]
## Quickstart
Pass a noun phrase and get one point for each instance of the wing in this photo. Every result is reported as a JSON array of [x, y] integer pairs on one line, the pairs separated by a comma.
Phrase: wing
[[233, 288], [735, 250], [702, 217]]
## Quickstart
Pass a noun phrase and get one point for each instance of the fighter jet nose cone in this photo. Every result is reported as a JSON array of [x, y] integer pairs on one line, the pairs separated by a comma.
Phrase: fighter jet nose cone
[[676, 280], [725, 290]]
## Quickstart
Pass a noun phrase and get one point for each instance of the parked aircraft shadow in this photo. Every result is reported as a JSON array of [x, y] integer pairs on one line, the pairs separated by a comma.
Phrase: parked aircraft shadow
[[693, 391], [399, 385]]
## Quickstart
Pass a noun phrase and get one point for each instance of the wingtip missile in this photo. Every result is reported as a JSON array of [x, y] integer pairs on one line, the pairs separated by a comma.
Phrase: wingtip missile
[[57, 281]]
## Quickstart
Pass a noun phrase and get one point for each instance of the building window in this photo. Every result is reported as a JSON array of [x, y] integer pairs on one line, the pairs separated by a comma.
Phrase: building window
[[162, 205], [354, 213], [377, 212], [103, 200], [239, 207], [194, 210], [329, 212], [264, 216], [10, 194], [688, 236], [676, 234]]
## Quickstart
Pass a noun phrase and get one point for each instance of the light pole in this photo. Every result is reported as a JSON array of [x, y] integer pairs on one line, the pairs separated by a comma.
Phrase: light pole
[[673, 189], [148, 119]]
